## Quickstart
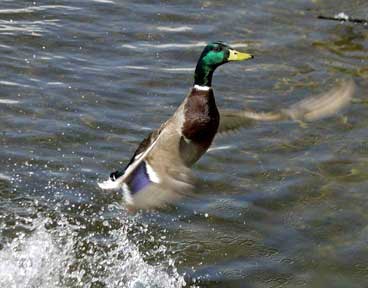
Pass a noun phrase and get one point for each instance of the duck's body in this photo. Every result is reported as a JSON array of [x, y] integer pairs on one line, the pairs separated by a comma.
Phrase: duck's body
[[161, 164], [159, 171]]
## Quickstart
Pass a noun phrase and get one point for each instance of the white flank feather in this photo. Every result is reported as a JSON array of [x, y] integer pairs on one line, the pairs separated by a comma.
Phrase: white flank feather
[[152, 174], [127, 194]]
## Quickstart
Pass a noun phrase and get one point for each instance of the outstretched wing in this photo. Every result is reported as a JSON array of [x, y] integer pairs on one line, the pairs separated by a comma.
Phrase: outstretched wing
[[150, 186], [118, 177], [309, 109]]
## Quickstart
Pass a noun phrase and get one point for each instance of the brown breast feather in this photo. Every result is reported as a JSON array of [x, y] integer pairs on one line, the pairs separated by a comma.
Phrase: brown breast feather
[[201, 117]]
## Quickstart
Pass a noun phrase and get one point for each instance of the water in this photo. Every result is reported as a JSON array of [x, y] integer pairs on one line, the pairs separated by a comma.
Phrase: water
[[279, 205]]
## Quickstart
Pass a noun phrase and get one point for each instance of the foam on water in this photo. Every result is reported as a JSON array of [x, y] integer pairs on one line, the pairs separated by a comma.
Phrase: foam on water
[[61, 257]]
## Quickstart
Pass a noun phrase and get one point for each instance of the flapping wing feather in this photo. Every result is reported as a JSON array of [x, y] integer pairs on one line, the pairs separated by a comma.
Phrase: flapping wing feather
[[231, 120], [310, 109], [117, 178], [146, 186]]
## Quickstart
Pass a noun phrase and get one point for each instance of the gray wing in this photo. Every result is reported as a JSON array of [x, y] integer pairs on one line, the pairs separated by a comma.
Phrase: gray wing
[[310, 109]]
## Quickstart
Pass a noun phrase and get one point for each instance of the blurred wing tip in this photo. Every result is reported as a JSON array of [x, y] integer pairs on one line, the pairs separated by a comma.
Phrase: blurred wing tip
[[346, 88], [350, 87], [324, 105]]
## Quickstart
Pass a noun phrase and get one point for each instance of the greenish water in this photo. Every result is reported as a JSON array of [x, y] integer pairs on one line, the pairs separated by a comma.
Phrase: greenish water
[[278, 205]]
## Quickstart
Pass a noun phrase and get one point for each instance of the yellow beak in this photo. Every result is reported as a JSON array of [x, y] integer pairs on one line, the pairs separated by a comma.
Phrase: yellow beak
[[238, 56]]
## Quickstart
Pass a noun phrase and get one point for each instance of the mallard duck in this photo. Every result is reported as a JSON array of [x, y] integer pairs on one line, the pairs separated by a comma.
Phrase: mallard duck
[[160, 170]]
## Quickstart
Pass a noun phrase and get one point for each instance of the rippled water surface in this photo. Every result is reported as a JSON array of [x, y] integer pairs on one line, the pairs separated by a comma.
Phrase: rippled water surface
[[279, 205]]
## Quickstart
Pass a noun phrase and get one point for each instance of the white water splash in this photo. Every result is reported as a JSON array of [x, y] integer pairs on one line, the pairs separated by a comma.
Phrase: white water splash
[[33, 261], [133, 271], [52, 258]]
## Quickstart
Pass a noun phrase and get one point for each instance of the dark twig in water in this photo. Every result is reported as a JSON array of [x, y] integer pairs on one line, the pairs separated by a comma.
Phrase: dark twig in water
[[344, 18]]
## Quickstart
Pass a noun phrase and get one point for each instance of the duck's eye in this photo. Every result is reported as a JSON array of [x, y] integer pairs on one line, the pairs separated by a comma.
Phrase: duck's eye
[[217, 49]]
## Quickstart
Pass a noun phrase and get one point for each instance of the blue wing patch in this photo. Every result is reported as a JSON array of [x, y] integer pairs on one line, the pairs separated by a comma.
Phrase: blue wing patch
[[138, 179]]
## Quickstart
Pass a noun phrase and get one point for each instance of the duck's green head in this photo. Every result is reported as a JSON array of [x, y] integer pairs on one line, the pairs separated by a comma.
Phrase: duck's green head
[[214, 55]]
